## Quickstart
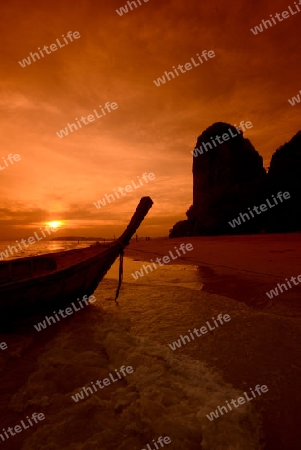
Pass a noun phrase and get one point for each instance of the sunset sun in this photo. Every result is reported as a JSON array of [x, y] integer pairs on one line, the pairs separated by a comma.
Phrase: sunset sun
[[55, 224]]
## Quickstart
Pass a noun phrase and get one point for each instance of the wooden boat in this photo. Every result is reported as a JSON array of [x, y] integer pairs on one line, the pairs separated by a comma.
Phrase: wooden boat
[[34, 284]]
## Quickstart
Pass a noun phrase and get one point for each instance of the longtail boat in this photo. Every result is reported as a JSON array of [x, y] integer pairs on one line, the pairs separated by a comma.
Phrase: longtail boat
[[36, 283]]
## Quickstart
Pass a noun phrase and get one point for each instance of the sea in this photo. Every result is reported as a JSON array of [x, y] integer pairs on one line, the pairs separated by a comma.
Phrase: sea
[[170, 393], [40, 247]]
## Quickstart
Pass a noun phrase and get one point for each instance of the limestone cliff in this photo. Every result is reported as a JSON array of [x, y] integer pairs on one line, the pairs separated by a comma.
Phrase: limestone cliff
[[285, 175], [228, 176]]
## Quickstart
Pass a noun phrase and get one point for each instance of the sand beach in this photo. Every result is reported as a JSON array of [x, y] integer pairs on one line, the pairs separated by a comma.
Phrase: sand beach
[[169, 392]]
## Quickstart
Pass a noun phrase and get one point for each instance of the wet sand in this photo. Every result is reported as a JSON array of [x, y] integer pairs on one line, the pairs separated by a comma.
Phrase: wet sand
[[263, 343], [168, 394], [240, 267]]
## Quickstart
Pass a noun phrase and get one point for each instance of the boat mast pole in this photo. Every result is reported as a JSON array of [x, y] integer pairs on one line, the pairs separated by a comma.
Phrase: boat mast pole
[[142, 209]]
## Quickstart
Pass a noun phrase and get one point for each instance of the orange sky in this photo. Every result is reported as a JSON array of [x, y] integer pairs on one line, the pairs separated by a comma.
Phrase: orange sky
[[154, 128]]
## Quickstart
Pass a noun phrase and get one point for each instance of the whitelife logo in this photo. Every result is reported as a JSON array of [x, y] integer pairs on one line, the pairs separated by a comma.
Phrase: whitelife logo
[[285, 15], [203, 330], [274, 292], [106, 382], [68, 311], [124, 9], [263, 208], [240, 400], [53, 48], [293, 101], [187, 66], [90, 119], [166, 260], [15, 157], [128, 188], [161, 440], [31, 240], [225, 137], [35, 417]]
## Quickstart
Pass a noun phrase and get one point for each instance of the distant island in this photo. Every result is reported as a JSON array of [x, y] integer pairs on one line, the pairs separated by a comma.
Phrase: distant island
[[79, 238]]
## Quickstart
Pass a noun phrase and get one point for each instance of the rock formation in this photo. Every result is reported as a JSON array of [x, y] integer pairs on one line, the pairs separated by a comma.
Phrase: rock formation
[[285, 175], [229, 177], [226, 178]]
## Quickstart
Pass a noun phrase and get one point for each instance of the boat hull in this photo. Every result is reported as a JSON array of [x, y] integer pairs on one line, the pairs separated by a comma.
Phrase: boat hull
[[57, 288]]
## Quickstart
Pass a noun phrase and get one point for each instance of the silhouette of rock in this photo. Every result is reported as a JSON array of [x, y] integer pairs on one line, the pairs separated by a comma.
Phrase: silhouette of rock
[[228, 177], [285, 175]]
